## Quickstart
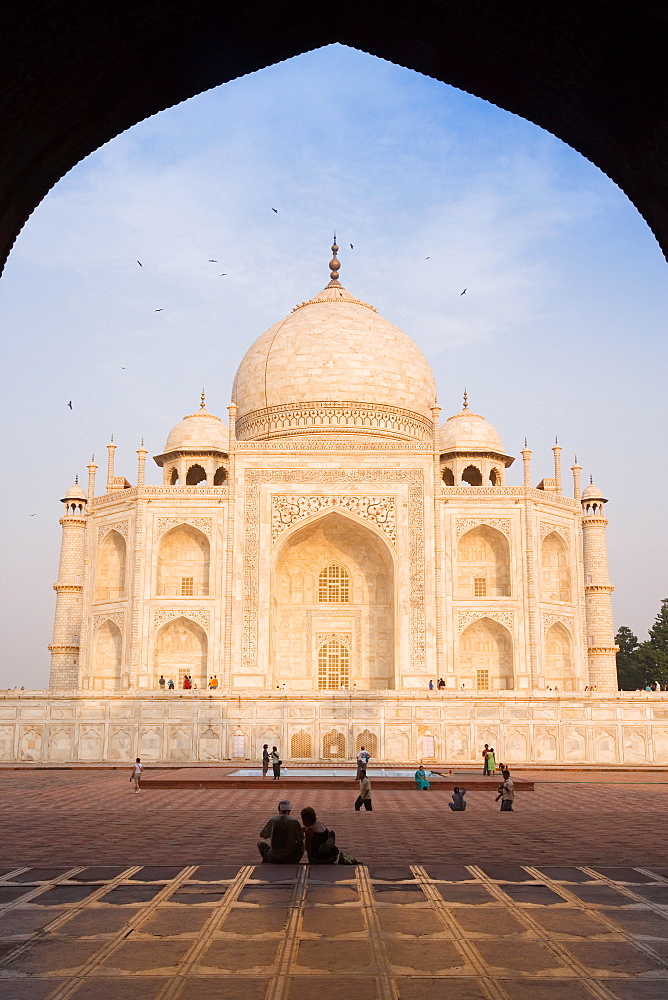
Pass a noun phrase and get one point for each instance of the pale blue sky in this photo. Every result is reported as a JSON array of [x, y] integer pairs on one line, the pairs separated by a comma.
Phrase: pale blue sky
[[562, 330]]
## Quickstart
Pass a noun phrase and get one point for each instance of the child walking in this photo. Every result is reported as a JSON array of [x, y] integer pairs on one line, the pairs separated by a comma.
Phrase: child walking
[[137, 769]]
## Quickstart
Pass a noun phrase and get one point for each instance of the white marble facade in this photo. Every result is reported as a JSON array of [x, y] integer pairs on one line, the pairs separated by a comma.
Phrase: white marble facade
[[325, 557]]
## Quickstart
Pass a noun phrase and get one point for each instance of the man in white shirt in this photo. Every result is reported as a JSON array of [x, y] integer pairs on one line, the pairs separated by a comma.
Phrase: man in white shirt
[[506, 793], [362, 761]]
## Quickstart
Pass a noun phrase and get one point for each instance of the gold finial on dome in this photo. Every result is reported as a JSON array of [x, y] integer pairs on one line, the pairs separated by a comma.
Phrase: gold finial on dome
[[466, 399], [334, 265], [202, 397]]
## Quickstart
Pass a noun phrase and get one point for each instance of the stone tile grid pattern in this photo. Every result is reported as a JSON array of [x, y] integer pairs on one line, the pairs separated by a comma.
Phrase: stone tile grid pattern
[[494, 930]]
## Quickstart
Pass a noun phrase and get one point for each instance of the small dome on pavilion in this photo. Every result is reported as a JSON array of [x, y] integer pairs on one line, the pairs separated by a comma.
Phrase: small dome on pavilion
[[74, 494], [200, 431], [593, 493]]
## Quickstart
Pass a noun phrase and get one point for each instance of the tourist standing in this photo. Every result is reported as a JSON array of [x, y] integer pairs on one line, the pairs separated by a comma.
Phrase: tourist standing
[[276, 764], [491, 761], [161, 683], [285, 836], [362, 762], [170, 685], [265, 760], [137, 769], [431, 685], [484, 760], [364, 797], [506, 793]]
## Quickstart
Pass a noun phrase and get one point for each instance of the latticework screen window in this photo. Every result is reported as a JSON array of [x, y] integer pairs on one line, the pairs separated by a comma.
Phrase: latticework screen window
[[480, 587], [333, 666], [367, 740], [482, 680], [301, 745], [333, 745], [187, 586], [334, 585]]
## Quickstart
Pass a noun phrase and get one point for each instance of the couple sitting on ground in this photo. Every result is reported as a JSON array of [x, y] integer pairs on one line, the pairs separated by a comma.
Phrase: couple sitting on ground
[[287, 839]]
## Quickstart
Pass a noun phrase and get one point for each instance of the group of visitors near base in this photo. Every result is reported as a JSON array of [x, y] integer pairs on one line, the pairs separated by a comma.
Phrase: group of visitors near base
[[288, 838], [188, 683], [273, 759]]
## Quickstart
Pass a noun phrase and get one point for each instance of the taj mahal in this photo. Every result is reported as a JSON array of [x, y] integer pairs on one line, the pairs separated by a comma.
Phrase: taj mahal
[[346, 565]]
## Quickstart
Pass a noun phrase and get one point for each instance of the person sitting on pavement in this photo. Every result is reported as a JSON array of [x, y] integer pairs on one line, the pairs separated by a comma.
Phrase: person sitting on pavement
[[458, 804], [285, 836], [421, 779], [321, 848]]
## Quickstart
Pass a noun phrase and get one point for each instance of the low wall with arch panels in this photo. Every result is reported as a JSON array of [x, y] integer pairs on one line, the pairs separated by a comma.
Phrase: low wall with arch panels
[[197, 726]]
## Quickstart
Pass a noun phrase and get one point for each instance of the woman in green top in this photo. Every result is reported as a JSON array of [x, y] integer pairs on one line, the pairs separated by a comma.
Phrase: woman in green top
[[491, 761], [421, 779]]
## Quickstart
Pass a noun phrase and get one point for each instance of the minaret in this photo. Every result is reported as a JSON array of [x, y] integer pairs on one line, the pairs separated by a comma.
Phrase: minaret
[[526, 458], [576, 470], [67, 624], [598, 601], [111, 448], [556, 450], [92, 469], [141, 463]]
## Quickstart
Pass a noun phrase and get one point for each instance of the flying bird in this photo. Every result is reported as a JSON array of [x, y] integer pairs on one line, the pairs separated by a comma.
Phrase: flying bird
[[223, 274], [33, 515], [275, 210], [427, 258], [70, 404], [122, 368], [352, 247], [158, 310], [463, 293], [212, 261], [140, 263]]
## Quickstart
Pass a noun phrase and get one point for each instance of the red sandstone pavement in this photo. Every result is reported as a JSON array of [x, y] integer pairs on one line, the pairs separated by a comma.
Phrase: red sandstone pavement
[[93, 817]]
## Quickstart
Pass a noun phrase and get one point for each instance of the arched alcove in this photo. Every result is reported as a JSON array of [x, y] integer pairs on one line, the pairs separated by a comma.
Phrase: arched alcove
[[483, 563], [181, 648], [486, 656], [110, 568], [195, 475], [559, 665], [555, 575], [183, 563], [333, 599], [472, 476], [107, 662]]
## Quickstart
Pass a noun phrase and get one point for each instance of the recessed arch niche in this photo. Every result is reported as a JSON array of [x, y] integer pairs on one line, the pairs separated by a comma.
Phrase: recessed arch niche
[[183, 563], [559, 665], [555, 577], [181, 648], [483, 563], [107, 663], [486, 656], [110, 568], [302, 623]]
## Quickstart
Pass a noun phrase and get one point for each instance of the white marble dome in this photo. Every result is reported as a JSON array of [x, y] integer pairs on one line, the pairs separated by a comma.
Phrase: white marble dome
[[199, 431], [334, 366], [469, 432]]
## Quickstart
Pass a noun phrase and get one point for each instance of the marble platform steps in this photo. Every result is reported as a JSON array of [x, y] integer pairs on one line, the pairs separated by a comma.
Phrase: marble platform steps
[[214, 777]]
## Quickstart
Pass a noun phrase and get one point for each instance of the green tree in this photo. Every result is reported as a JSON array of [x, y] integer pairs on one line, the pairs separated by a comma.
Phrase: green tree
[[653, 655], [630, 674]]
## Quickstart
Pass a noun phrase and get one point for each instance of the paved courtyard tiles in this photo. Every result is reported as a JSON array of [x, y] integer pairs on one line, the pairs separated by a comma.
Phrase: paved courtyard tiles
[[442, 908], [376, 932]]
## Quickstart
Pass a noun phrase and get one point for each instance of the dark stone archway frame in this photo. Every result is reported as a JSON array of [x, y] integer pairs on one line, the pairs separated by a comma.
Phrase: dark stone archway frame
[[74, 74]]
